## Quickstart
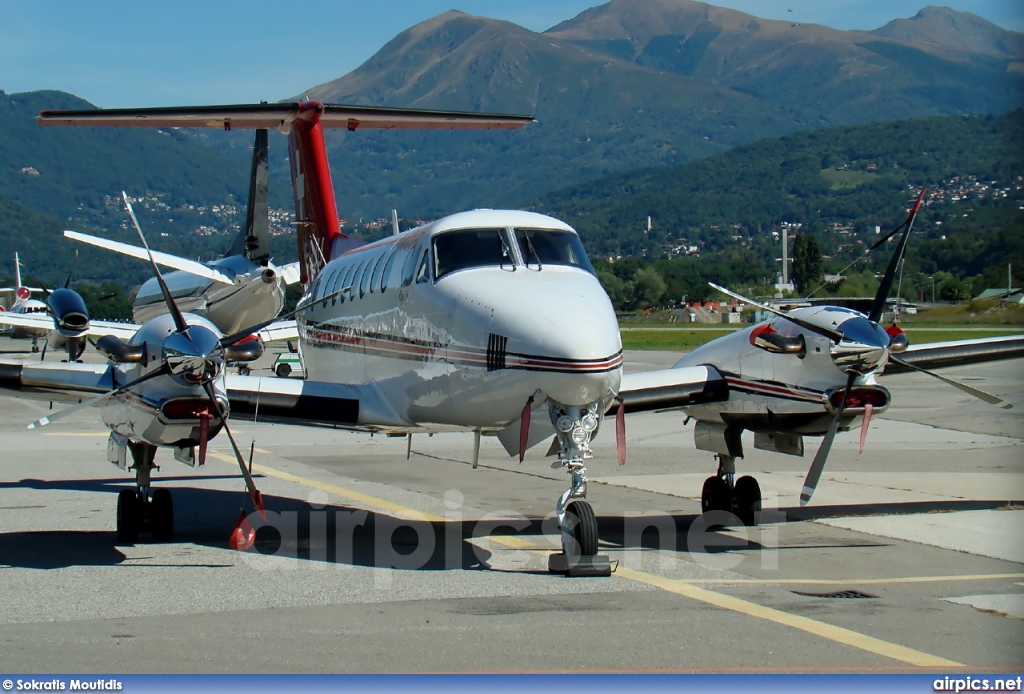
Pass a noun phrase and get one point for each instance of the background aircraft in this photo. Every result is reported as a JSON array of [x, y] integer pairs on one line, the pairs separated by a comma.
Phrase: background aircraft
[[242, 288], [18, 299]]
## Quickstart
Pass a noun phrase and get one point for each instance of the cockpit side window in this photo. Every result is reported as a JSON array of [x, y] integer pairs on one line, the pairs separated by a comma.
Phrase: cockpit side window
[[469, 248], [541, 247]]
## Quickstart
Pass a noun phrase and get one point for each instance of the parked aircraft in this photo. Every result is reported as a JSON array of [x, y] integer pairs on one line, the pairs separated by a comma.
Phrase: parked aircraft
[[810, 371], [242, 288], [163, 386], [477, 320], [19, 300]]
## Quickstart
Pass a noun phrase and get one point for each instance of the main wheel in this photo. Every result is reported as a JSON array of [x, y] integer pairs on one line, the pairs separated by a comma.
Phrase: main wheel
[[582, 525], [715, 496], [161, 516], [283, 370], [748, 500], [244, 371], [128, 517]]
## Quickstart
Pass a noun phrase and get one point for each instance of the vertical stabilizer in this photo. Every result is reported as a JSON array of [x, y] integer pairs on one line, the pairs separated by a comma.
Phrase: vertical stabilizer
[[316, 214], [252, 241]]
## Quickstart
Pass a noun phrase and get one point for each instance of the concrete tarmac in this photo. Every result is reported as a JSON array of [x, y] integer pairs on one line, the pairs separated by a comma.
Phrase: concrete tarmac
[[907, 559]]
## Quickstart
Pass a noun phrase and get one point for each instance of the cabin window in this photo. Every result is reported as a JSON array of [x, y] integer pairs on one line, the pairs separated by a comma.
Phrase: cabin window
[[375, 278], [353, 283], [469, 248], [387, 271], [364, 278], [540, 247], [346, 281], [423, 270]]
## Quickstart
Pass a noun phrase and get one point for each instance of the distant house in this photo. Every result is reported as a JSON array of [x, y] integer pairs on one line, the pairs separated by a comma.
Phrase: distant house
[[1010, 296]]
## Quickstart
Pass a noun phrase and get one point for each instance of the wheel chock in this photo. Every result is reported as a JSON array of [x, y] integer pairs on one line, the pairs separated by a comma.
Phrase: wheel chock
[[593, 565]]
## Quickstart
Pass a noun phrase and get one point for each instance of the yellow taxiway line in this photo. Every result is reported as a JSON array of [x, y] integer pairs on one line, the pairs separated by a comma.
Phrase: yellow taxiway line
[[685, 588]]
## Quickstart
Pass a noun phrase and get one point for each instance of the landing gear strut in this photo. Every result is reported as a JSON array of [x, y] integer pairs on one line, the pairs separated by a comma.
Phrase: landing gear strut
[[724, 492], [136, 512], [575, 426]]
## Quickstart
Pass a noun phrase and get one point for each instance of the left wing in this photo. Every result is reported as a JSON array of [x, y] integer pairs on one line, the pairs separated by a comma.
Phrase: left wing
[[668, 389], [934, 355]]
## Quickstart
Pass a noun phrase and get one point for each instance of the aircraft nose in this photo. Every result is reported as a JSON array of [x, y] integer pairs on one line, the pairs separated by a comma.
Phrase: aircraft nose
[[557, 324]]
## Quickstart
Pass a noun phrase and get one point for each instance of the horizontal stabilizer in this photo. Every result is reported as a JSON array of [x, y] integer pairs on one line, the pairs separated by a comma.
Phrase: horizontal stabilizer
[[280, 116]]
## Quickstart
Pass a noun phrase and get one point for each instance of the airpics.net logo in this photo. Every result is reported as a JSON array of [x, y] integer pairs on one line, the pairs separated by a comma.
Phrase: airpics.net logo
[[968, 685]]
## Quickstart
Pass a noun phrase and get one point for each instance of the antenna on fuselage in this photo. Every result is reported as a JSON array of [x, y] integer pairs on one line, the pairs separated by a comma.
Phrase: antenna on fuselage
[[394, 222]]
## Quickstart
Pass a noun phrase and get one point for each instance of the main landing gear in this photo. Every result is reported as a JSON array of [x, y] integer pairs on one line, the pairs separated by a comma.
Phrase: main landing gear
[[723, 492], [136, 511], [574, 427]]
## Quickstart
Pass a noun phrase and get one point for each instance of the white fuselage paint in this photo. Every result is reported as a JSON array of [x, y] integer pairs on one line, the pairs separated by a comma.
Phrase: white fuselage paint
[[250, 300], [29, 306], [468, 349], [763, 384]]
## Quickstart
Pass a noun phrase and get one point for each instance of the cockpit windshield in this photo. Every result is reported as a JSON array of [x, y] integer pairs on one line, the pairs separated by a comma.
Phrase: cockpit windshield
[[552, 247], [468, 248]]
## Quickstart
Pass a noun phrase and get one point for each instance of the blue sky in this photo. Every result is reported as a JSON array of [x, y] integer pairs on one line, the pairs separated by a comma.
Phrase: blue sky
[[120, 53]]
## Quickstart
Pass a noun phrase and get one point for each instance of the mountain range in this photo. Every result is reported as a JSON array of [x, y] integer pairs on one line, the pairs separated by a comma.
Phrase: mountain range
[[627, 84]]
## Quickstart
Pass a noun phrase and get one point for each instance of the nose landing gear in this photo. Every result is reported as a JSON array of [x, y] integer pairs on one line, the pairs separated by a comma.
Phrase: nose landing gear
[[136, 511], [574, 427]]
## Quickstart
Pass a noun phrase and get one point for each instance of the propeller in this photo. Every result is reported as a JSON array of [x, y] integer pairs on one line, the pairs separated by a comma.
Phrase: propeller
[[818, 464], [878, 305], [976, 392], [833, 335]]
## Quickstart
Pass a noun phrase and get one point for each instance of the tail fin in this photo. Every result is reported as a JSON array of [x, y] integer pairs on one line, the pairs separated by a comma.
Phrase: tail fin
[[252, 241], [316, 213]]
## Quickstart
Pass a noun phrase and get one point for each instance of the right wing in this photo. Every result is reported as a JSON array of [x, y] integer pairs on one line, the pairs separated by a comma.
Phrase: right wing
[[166, 259], [52, 381], [281, 330]]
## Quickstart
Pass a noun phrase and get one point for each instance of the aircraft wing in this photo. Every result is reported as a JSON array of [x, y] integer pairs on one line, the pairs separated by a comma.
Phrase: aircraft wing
[[27, 320], [166, 259], [281, 330], [667, 389], [55, 381], [296, 401], [97, 328], [935, 355], [289, 273], [280, 117]]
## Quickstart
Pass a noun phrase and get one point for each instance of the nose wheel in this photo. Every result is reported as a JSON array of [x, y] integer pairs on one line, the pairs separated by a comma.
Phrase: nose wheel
[[136, 511]]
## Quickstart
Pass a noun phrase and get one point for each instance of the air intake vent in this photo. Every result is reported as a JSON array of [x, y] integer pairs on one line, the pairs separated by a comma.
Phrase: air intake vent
[[496, 351]]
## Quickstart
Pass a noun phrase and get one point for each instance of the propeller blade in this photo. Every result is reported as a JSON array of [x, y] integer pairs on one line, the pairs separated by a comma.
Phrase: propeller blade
[[204, 434], [179, 319], [878, 305], [620, 432], [833, 335], [257, 497], [868, 409], [976, 392], [818, 464], [93, 401]]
